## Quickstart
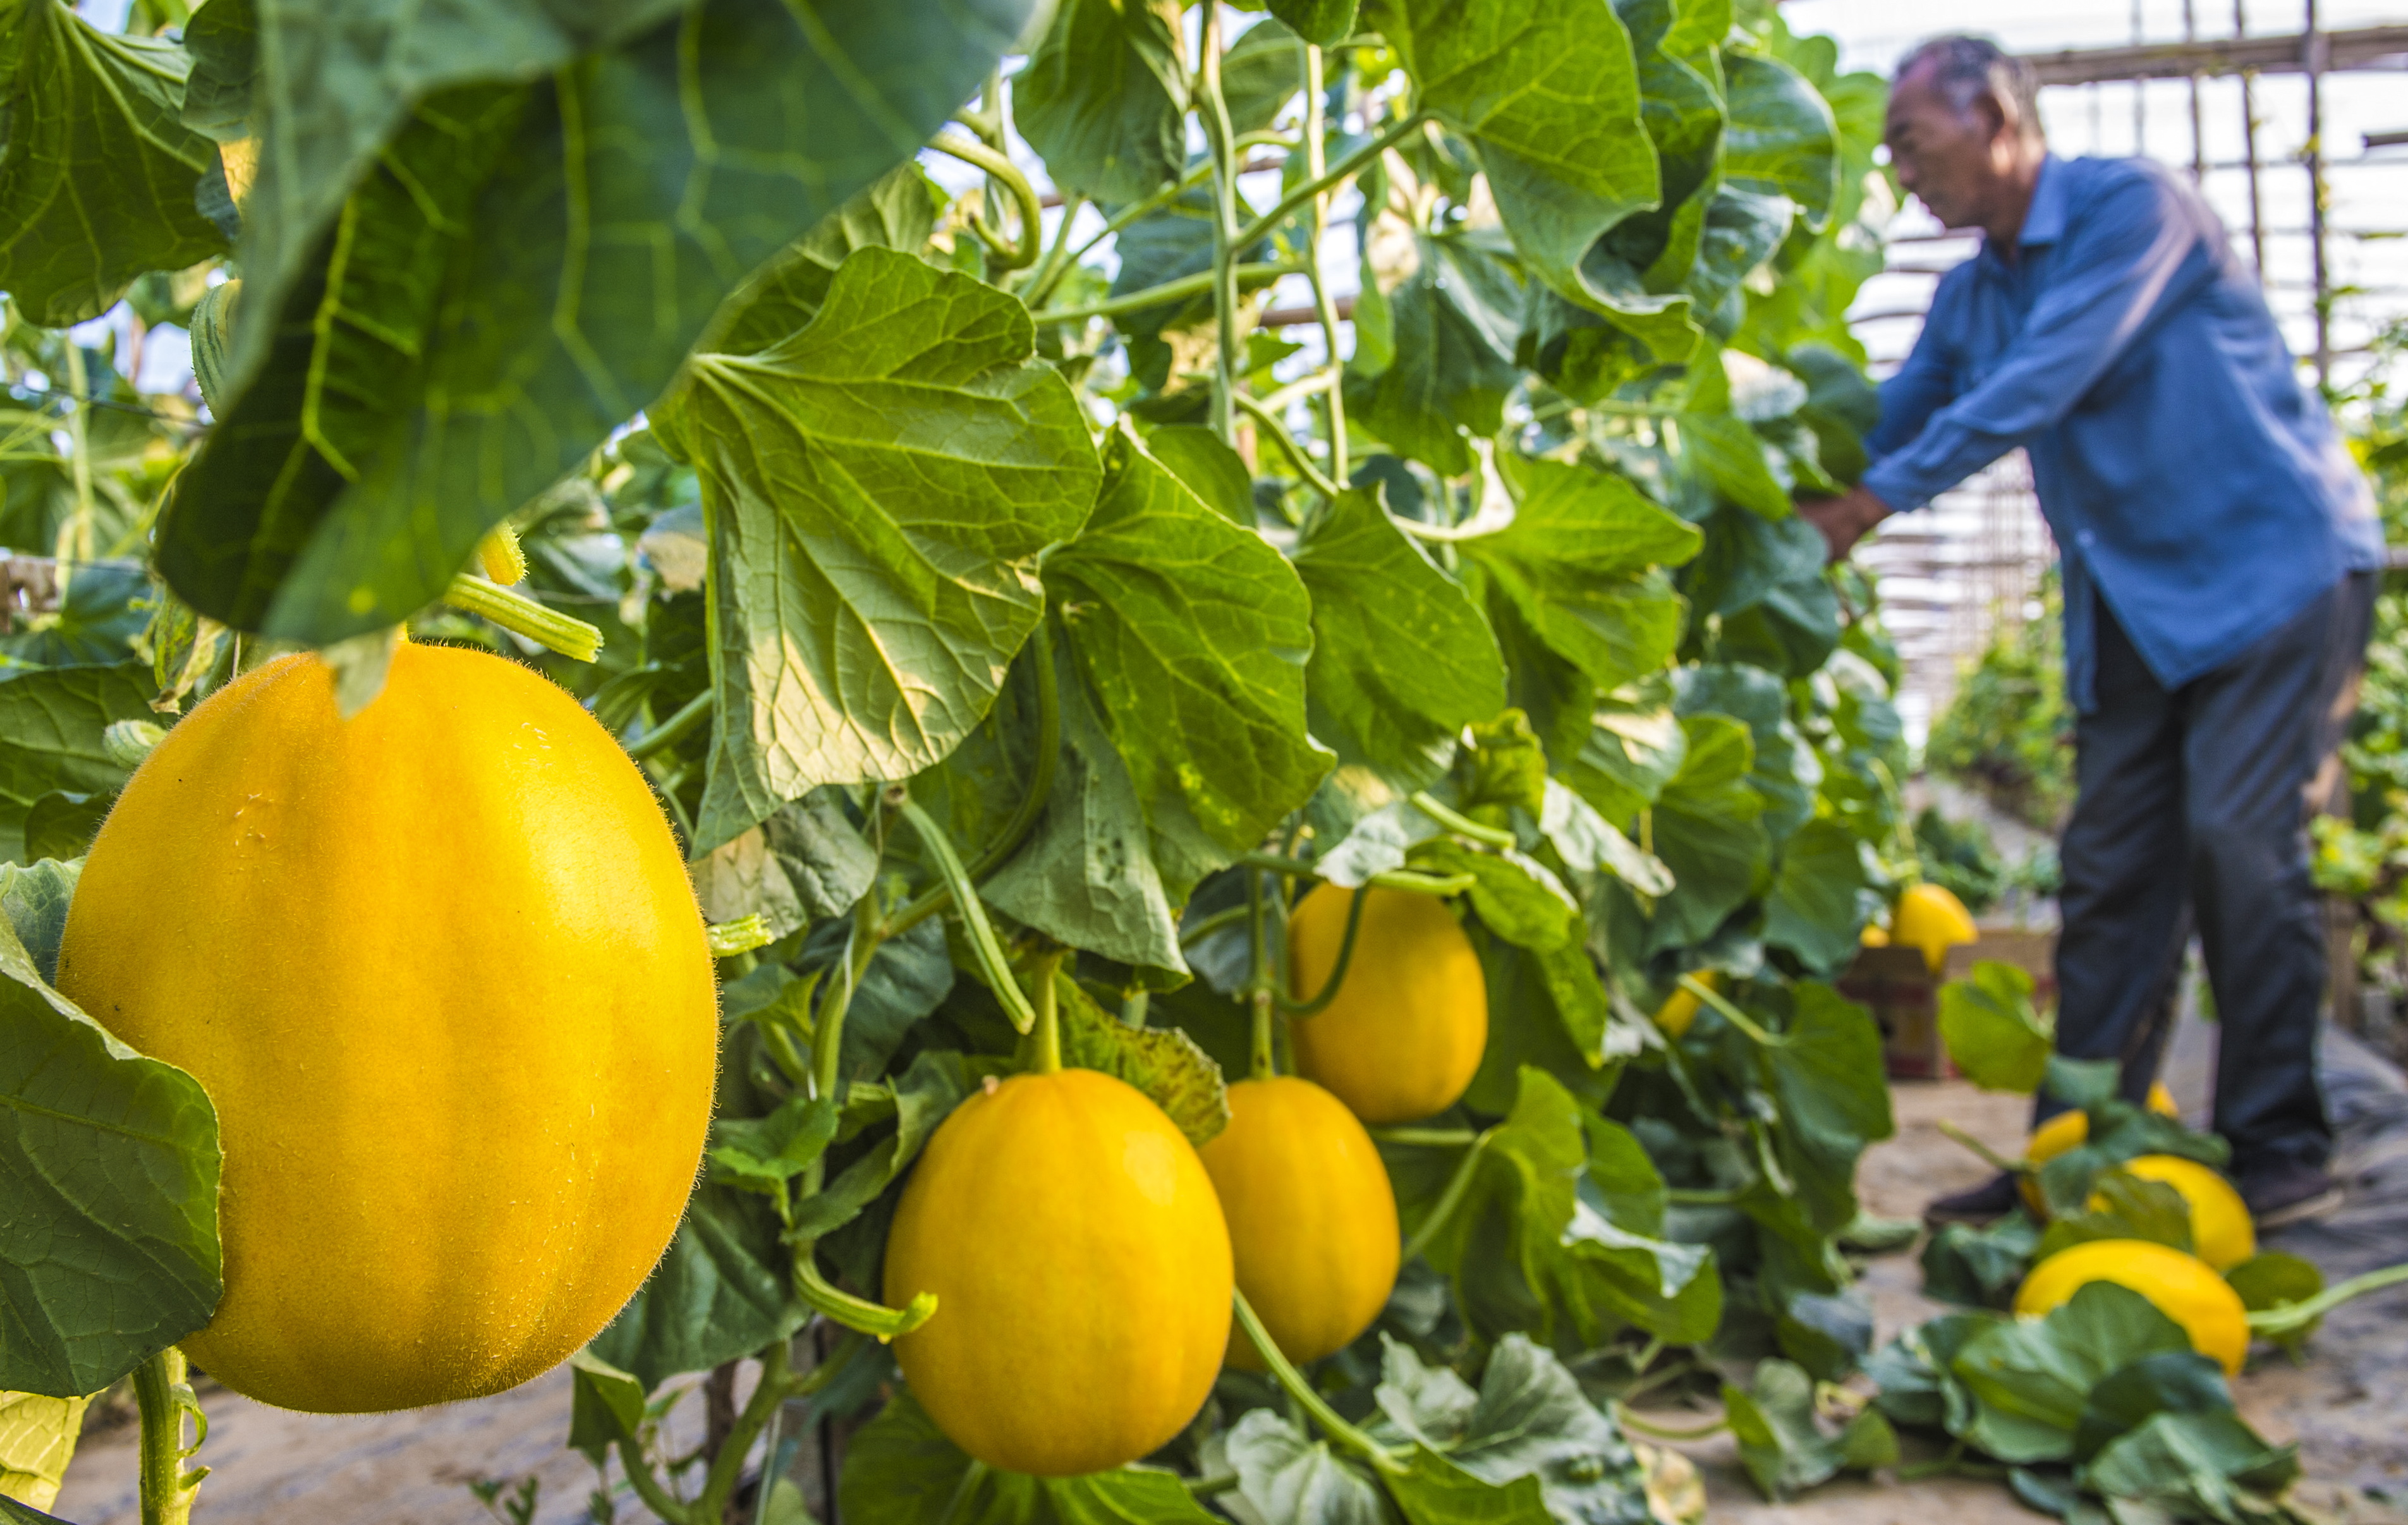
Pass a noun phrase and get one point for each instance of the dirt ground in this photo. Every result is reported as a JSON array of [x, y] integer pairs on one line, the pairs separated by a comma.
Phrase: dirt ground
[[2347, 1406]]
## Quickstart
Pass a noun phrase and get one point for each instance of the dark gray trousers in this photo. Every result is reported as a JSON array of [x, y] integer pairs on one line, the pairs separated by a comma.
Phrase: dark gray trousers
[[2193, 810]]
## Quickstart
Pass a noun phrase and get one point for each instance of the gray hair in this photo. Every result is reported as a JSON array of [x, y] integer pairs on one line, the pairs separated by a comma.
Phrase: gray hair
[[1965, 69]]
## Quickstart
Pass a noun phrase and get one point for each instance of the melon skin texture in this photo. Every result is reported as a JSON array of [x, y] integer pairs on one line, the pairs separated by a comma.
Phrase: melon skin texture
[[1082, 1271], [1404, 1034], [1312, 1217], [2183, 1287], [442, 974]]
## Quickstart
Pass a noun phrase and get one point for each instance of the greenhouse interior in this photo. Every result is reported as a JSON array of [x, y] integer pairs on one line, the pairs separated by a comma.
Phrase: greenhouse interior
[[1277, 762]]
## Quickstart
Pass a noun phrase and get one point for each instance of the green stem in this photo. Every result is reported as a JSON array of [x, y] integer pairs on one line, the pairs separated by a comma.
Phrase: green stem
[[1211, 923], [1048, 269], [842, 1307], [1457, 1186], [1410, 879], [1634, 1423], [1277, 429], [1413, 882], [1338, 175], [74, 543], [1689, 1197], [1996, 1161], [984, 945], [1461, 825], [1337, 971], [1438, 534], [728, 1467], [1263, 1062], [1325, 307], [827, 1035], [1170, 291], [1332, 1422], [1048, 1018], [1732, 1014], [1425, 1138], [648, 1488], [676, 729], [163, 1397], [2276, 1323], [1195, 175], [998, 165], [745, 933], [1026, 815], [1221, 141], [522, 615]]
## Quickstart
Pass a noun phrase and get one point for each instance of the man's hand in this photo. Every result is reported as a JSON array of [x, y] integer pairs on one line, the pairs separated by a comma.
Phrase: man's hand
[[1844, 520]]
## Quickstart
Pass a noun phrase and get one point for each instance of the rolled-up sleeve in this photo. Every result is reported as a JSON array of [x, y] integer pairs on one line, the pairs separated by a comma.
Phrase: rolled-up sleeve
[[2127, 260]]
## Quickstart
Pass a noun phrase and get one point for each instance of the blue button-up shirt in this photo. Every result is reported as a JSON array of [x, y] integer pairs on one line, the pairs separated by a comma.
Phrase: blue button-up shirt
[[2191, 480]]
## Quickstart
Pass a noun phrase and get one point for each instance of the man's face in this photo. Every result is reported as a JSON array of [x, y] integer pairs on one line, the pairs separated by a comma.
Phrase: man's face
[[1947, 158]]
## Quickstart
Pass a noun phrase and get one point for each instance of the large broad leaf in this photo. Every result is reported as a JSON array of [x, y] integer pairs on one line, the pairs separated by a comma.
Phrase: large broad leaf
[[1708, 830], [1164, 1063], [900, 1470], [1087, 875], [1572, 564], [1783, 1447], [878, 488], [1103, 99], [1401, 659], [722, 1292], [1192, 635], [522, 268], [925, 1096], [805, 862], [1992, 1031], [1628, 753], [1529, 1419], [1260, 74], [1323, 23], [1827, 1074], [109, 1161], [1549, 91], [1817, 906], [37, 1438], [35, 901], [1528, 1250], [96, 172], [2037, 1374], [1781, 140], [50, 726], [1681, 100], [1454, 321], [1286, 1476], [1783, 770], [898, 212]]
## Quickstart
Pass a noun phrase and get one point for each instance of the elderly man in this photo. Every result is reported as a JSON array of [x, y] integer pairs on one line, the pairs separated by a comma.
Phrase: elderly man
[[2220, 558]]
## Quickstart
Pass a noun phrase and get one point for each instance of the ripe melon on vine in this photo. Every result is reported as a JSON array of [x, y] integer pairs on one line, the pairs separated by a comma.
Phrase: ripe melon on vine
[[440, 971], [1404, 1035], [2184, 1287], [1312, 1219], [1082, 1271]]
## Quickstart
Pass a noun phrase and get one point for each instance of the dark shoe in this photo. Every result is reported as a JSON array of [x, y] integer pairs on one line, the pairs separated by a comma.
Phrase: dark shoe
[[2281, 1195], [1985, 1203]]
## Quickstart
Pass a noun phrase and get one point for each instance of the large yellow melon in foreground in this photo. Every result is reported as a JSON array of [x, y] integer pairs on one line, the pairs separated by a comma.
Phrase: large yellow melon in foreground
[[440, 971], [1082, 1271]]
